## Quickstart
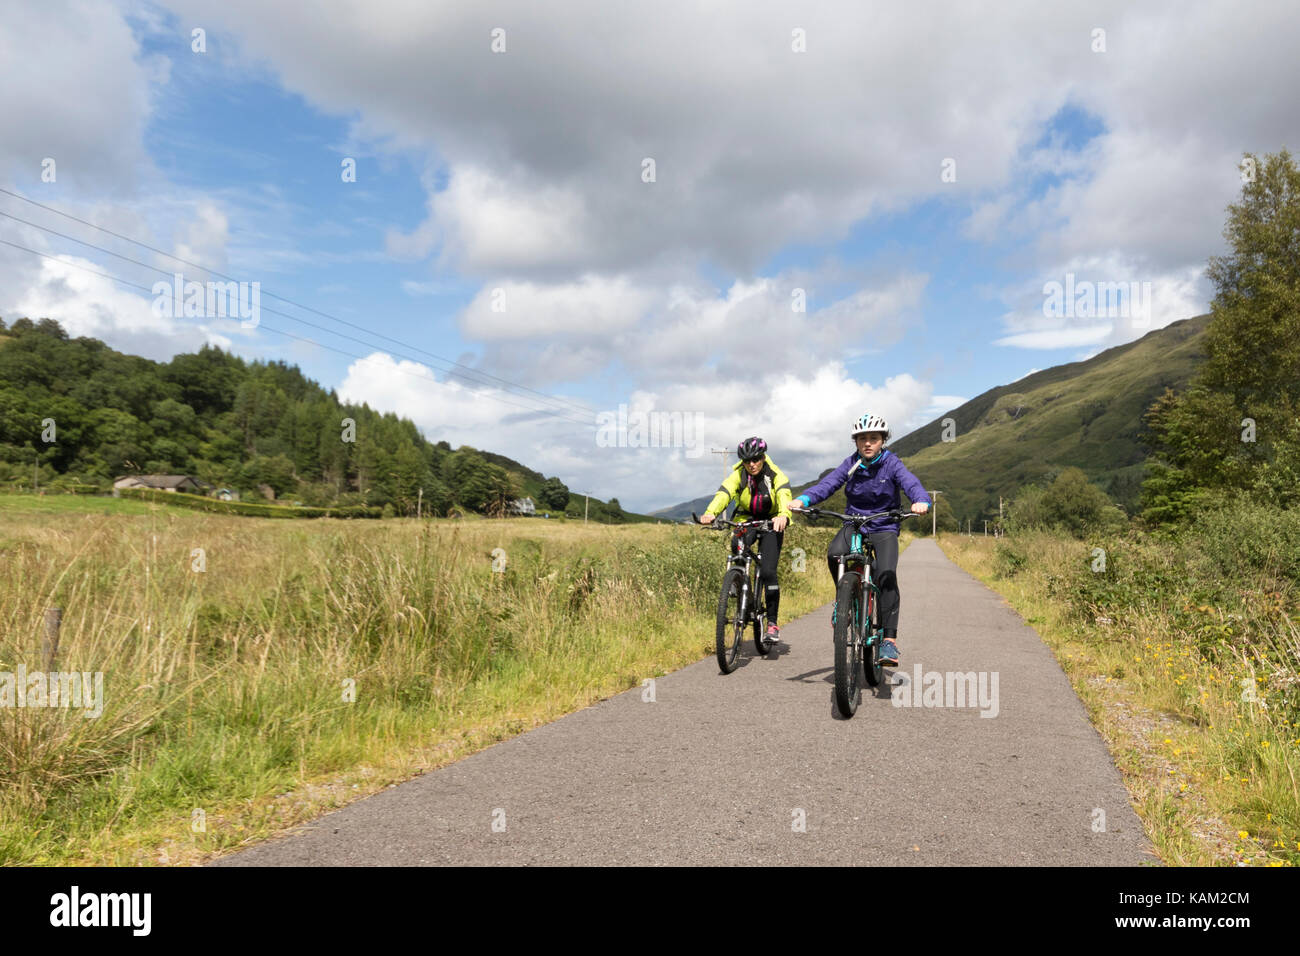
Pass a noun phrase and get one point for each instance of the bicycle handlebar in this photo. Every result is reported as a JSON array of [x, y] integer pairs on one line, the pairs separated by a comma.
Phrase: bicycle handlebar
[[898, 514], [765, 524]]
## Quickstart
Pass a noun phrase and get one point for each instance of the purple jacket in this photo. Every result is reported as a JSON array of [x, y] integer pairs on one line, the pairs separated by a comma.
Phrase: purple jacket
[[870, 488]]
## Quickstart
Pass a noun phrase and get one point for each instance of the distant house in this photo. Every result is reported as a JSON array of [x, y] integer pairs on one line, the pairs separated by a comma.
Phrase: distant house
[[522, 506], [163, 483]]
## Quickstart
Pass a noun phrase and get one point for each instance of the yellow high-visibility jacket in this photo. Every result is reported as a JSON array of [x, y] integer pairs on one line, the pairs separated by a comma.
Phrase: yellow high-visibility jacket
[[735, 488]]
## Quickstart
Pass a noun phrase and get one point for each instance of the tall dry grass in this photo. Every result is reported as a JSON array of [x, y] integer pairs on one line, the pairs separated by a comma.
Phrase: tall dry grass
[[1190, 667], [227, 686]]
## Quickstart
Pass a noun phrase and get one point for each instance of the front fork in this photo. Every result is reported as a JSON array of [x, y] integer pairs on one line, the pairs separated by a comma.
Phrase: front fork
[[864, 620], [742, 611]]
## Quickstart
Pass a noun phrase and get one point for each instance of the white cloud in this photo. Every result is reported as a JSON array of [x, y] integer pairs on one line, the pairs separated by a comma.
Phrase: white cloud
[[659, 334], [73, 89], [755, 146], [90, 305], [805, 420], [1098, 301], [591, 307], [1059, 338]]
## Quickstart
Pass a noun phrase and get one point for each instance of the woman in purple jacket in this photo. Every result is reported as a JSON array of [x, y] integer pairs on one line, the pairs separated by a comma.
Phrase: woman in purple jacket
[[874, 476]]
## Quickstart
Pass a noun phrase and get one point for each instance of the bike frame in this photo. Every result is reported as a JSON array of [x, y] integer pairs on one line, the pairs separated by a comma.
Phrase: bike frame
[[745, 559], [861, 559], [752, 610]]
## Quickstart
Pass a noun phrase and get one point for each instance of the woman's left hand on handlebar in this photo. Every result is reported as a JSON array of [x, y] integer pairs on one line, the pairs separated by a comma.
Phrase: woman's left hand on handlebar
[[919, 507], [778, 523]]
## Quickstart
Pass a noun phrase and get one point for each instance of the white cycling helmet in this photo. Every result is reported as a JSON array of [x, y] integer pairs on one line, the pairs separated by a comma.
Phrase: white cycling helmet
[[870, 423]]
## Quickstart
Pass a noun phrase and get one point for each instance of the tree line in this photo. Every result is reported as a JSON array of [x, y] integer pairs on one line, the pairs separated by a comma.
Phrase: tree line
[[1227, 447], [74, 411]]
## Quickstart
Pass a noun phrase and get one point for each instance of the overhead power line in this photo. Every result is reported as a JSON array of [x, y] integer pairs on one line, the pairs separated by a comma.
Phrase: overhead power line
[[466, 373], [135, 285]]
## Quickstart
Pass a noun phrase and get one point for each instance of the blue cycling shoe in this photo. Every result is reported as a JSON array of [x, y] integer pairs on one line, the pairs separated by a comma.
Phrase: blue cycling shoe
[[888, 653]]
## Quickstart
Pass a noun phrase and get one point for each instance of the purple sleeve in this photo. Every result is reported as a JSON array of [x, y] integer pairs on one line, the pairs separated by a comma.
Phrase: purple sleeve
[[915, 490], [828, 485]]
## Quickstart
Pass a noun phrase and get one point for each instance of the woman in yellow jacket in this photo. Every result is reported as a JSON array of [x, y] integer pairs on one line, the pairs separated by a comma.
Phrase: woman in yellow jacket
[[760, 490]]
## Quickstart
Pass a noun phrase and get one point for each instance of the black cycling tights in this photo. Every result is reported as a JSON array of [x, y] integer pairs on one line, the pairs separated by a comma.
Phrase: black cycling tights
[[771, 548], [885, 570]]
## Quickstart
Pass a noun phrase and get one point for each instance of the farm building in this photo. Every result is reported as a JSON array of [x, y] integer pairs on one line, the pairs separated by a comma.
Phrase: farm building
[[164, 483]]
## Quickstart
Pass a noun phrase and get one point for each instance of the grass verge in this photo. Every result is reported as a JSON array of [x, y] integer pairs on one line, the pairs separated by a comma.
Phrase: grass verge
[[257, 674], [1195, 694]]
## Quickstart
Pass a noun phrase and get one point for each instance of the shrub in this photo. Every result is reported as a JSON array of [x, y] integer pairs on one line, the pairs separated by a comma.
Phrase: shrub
[[1007, 560], [1070, 502]]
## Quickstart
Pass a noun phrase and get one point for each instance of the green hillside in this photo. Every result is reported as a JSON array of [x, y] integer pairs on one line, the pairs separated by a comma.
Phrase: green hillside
[[258, 428], [1086, 414]]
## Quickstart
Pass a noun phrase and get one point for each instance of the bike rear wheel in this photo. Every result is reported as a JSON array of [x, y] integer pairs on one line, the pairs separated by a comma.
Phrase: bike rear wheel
[[761, 643], [731, 619], [848, 642]]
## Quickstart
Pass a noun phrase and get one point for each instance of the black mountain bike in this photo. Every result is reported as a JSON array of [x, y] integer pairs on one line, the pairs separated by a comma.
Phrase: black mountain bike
[[741, 603], [856, 628]]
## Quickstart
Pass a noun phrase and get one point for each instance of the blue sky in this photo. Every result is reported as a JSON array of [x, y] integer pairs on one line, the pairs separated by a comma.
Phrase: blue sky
[[516, 177]]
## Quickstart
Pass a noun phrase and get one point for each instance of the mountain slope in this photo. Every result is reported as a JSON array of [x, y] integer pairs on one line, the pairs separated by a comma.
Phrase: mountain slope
[[1087, 414]]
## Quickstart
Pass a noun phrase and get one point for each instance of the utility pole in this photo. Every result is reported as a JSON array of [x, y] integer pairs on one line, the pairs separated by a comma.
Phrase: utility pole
[[419, 504], [724, 452], [934, 515], [986, 527], [584, 509]]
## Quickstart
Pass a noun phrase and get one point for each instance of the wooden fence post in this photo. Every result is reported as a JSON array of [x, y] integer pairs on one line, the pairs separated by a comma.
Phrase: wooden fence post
[[50, 643]]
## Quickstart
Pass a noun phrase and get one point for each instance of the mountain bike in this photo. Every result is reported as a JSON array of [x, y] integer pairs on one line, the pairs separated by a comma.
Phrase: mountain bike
[[856, 622], [740, 602]]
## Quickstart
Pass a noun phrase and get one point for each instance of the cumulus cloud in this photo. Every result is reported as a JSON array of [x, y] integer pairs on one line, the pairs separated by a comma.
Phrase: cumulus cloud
[[591, 307], [76, 91], [1097, 301], [675, 288], [755, 331], [86, 304], [754, 145], [806, 420]]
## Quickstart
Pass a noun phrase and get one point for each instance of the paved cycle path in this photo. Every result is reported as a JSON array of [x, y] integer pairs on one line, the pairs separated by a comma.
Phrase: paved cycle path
[[757, 767]]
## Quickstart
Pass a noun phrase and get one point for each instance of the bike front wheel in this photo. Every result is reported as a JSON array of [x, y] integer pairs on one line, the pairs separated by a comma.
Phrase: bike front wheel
[[848, 642], [871, 653], [731, 619]]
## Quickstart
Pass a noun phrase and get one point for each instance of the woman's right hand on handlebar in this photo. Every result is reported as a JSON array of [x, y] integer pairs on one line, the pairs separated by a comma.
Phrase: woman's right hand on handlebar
[[706, 519]]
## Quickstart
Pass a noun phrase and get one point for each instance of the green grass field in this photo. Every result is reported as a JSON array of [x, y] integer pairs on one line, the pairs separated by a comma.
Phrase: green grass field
[[14, 506], [257, 673]]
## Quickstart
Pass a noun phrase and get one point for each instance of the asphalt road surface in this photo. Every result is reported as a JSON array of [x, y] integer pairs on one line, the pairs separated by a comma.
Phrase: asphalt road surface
[[757, 766]]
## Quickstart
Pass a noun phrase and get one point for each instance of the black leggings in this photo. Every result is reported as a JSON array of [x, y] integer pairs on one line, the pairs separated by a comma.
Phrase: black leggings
[[884, 570], [771, 548]]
